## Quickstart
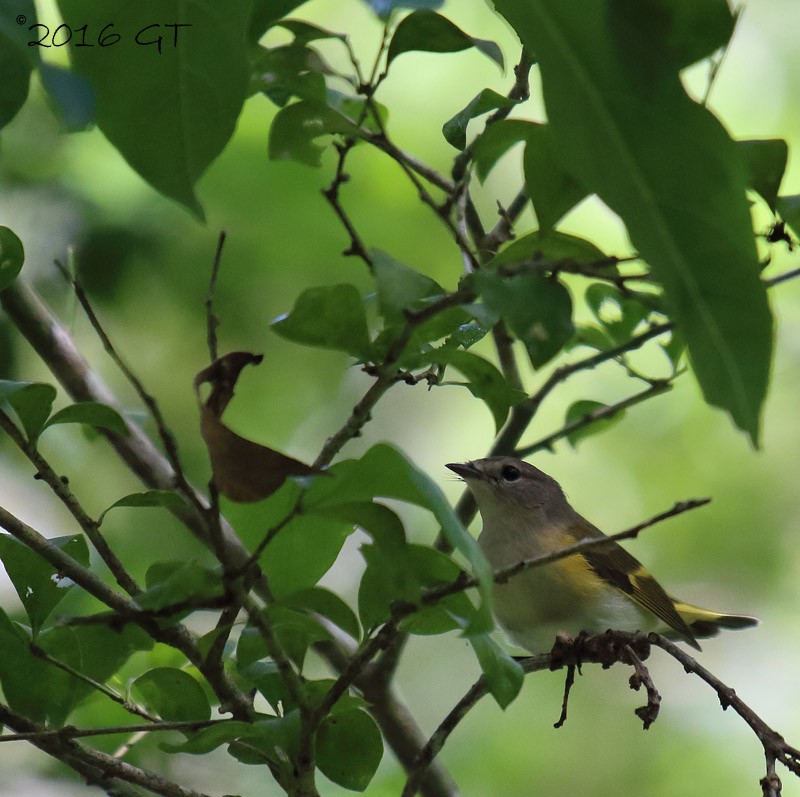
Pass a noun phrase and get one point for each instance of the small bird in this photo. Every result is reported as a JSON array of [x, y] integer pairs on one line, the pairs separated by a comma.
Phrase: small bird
[[526, 515]]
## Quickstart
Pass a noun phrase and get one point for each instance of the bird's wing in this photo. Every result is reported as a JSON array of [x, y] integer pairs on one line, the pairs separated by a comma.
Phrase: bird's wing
[[623, 571]]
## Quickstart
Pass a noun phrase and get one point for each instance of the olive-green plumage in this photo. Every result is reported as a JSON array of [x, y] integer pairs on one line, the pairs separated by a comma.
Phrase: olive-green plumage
[[525, 515]]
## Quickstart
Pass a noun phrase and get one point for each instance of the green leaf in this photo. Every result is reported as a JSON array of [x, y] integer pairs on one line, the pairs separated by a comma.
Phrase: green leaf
[[70, 95], [485, 381], [495, 141], [169, 583], [433, 33], [91, 413], [551, 248], [330, 317], [170, 102], [618, 314], [39, 585], [384, 471], [31, 401], [208, 739], [149, 498], [16, 58], [274, 740], [267, 13], [503, 675], [294, 128], [581, 409], [611, 84], [384, 8], [303, 551], [537, 309], [553, 190], [171, 694], [291, 71], [455, 128], [316, 600], [789, 209], [400, 287], [765, 161], [349, 749], [12, 256], [377, 520]]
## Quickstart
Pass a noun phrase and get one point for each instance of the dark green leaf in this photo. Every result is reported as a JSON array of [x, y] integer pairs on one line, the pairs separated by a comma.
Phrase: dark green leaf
[[789, 208], [91, 413], [170, 105], [31, 401], [485, 381], [538, 310], [618, 314], [286, 72], [611, 84], [39, 586], [593, 337], [169, 583], [330, 317], [582, 409], [377, 520], [455, 129], [12, 256], [400, 287], [70, 94], [495, 141], [275, 739], [433, 33], [16, 58], [305, 32], [553, 190], [266, 13], [208, 739], [171, 694], [294, 128], [316, 600], [549, 248], [384, 471], [384, 8], [349, 749], [765, 160], [503, 675], [150, 498]]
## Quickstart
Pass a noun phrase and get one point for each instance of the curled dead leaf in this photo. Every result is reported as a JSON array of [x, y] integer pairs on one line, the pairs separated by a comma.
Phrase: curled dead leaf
[[243, 471]]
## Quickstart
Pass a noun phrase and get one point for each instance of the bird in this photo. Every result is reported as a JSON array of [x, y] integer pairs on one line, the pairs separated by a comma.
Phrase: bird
[[526, 515]]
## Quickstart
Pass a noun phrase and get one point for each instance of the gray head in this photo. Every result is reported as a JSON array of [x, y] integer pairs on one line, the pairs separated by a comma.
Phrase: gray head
[[508, 487]]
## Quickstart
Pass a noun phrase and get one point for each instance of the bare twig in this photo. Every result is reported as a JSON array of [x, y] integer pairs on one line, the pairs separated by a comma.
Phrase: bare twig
[[212, 322]]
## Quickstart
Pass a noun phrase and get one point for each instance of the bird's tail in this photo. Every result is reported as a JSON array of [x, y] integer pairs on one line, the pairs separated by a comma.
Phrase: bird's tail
[[705, 623]]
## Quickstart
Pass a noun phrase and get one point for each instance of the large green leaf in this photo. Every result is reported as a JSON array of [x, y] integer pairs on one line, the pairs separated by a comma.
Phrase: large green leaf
[[17, 59], [91, 413], [503, 675], [32, 402], [628, 131], [12, 256], [349, 749], [400, 288], [431, 32], [166, 97], [39, 586], [331, 317], [171, 694]]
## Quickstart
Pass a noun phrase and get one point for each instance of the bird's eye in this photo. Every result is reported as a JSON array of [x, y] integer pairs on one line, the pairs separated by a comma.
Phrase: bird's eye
[[510, 473]]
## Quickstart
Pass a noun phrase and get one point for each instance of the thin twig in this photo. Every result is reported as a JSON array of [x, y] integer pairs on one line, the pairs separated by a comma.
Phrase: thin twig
[[212, 322]]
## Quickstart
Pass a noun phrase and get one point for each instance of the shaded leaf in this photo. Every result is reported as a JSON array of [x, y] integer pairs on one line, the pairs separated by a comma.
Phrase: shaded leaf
[[789, 208], [765, 160], [433, 33], [174, 582], [91, 413], [582, 409], [317, 600], [455, 128], [171, 106], [243, 471], [384, 8], [294, 128], [208, 739], [38, 584], [12, 256], [330, 317], [551, 248], [485, 381], [31, 401], [349, 749], [553, 190], [172, 694], [70, 94], [537, 309], [16, 58], [495, 141], [618, 314], [611, 84], [266, 13], [503, 675], [380, 522], [400, 287], [285, 72], [149, 498]]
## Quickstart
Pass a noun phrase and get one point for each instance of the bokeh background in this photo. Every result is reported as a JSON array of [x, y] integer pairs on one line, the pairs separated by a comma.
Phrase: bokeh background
[[146, 261]]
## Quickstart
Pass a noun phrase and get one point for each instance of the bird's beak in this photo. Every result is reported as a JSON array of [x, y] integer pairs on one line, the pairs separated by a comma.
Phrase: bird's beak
[[465, 470]]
